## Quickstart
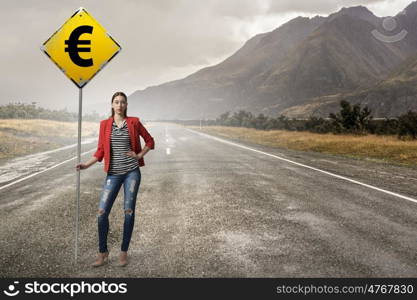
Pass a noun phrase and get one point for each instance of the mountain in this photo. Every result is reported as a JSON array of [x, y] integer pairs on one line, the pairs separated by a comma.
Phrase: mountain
[[357, 12], [338, 57], [390, 97], [305, 64]]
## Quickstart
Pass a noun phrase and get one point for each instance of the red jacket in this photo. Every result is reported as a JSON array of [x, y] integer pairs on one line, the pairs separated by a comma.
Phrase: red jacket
[[135, 128]]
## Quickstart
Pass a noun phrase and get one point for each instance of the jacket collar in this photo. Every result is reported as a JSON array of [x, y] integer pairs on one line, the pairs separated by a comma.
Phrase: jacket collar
[[129, 123], [111, 119]]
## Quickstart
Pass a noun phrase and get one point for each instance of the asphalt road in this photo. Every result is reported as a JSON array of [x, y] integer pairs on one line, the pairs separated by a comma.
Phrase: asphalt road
[[210, 208]]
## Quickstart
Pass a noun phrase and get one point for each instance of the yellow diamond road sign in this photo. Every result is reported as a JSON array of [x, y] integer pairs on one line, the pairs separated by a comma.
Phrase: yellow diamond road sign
[[81, 47]]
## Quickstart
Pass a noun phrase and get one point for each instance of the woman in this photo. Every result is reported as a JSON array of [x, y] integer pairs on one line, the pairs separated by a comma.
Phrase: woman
[[119, 145]]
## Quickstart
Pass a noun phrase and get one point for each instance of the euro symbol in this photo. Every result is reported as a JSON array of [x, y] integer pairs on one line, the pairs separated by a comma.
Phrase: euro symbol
[[73, 43]]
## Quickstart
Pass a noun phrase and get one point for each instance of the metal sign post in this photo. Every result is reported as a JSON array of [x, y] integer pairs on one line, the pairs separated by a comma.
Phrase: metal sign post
[[80, 48], [77, 213]]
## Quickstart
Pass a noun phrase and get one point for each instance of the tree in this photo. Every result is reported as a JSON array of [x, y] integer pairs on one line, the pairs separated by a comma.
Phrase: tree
[[260, 122], [222, 120], [407, 125], [351, 118], [317, 124]]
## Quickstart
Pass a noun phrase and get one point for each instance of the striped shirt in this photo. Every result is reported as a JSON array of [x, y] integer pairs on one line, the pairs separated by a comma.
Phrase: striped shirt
[[120, 163]]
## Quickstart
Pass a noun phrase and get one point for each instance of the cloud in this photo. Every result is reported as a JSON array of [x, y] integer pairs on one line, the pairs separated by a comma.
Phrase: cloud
[[162, 40]]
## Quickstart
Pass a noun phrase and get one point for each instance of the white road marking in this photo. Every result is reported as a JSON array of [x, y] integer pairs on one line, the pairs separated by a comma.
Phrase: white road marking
[[306, 166], [86, 141], [25, 165], [168, 151], [37, 173]]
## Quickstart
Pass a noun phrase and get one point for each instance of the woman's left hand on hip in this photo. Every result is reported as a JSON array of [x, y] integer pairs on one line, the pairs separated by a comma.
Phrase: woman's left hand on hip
[[134, 155]]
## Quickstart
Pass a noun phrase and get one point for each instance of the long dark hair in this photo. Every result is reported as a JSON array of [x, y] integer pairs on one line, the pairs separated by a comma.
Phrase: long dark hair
[[114, 96]]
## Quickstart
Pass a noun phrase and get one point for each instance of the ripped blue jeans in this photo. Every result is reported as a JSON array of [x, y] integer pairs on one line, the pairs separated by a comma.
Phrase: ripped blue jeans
[[111, 187]]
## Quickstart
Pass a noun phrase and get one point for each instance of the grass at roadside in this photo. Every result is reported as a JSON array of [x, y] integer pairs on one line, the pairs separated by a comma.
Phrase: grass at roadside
[[384, 148], [20, 137]]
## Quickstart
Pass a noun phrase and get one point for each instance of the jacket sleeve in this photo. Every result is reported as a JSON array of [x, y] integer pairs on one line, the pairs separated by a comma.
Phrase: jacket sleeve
[[149, 141], [99, 154]]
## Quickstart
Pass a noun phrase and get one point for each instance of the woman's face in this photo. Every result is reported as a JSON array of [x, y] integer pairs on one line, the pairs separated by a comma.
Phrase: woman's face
[[119, 105]]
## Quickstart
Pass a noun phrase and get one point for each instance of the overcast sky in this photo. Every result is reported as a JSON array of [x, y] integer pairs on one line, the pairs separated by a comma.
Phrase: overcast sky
[[162, 40]]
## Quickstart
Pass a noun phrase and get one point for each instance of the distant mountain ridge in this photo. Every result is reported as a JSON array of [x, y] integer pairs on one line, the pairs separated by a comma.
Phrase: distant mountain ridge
[[304, 67]]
